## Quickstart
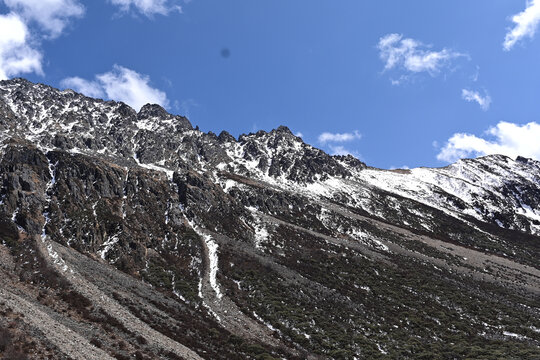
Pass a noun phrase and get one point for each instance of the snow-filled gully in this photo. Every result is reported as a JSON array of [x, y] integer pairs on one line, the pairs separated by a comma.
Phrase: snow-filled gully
[[219, 305]]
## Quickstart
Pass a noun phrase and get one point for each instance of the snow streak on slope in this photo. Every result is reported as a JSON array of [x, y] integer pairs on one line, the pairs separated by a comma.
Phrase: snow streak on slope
[[213, 263]]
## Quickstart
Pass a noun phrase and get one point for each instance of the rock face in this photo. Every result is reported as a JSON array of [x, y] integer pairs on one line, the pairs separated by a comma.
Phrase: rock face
[[146, 238]]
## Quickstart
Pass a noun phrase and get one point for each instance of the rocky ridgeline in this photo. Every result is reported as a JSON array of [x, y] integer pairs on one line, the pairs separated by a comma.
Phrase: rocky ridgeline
[[493, 189], [257, 247]]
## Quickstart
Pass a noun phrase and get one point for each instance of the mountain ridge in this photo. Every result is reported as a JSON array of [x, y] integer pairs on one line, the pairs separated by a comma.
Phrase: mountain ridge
[[142, 221]]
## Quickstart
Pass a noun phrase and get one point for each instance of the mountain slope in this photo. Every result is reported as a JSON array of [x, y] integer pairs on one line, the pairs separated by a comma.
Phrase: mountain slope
[[138, 233]]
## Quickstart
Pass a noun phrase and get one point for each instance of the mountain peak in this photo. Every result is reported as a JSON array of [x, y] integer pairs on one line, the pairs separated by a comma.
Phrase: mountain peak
[[282, 129], [153, 111]]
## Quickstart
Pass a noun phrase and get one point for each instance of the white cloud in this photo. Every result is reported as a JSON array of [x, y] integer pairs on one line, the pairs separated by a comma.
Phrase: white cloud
[[341, 150], [89, 88], [413, 56], [18, 45], [17, 55], [505, 138], [327, 137], [120, 84], [148, 7], [526, 23], [299, 134], [332, 140], [51, 15], [475, 96]]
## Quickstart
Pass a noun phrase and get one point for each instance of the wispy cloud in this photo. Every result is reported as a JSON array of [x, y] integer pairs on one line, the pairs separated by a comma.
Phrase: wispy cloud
[[334, 141], [413, 56], [474, 77], [148, 7], [186, 106], [17, 55], [526, 24], [475, 96], [120, 84], [327, 137], [89, 88], [505, 138], [52, 16], [341, 150]]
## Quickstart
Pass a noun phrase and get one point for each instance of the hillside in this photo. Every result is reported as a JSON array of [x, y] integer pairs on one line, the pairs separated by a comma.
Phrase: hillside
[[135, 235]]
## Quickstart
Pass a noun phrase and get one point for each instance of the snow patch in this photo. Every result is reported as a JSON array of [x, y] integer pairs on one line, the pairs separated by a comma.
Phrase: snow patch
[[213, 260], [57, 260], [514, 335], [107, 246], [265, 323]]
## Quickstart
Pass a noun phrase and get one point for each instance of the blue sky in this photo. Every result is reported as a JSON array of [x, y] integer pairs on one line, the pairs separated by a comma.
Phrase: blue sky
[[396, 83]]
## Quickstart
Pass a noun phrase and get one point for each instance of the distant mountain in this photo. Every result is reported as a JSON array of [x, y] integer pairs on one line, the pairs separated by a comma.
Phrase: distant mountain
[[134, 235]]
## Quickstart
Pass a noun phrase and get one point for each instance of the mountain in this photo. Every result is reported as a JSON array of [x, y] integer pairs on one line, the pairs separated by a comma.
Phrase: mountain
[[135, 235]]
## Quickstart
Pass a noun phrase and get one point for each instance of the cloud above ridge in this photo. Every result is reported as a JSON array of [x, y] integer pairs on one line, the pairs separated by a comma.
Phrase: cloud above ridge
[[120, 84], [334, 142], [328, 137], [505, 138]]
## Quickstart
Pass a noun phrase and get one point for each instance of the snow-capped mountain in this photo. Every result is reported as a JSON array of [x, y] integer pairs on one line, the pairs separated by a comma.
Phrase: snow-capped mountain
[[492, 189], [281, 249]]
